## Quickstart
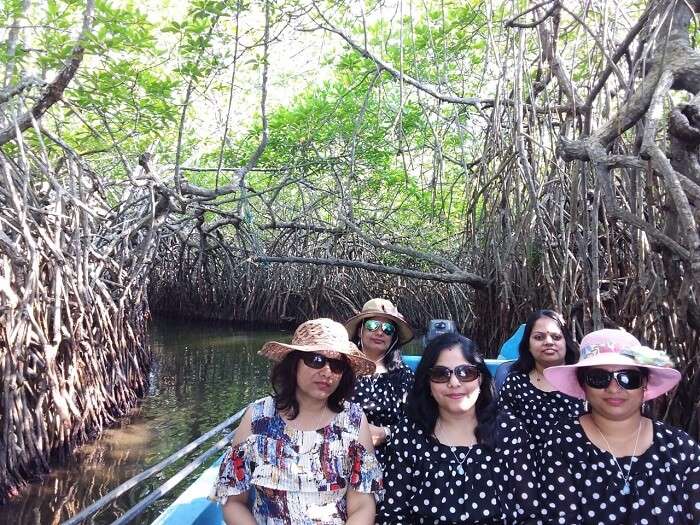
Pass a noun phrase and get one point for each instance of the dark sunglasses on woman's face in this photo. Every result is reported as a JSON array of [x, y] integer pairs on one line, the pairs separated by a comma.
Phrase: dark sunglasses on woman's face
[[387, 327], [318, 361], [464, 373], [627, 379]]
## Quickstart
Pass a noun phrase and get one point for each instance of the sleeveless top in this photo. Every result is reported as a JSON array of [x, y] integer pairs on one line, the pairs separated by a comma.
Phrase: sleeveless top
[[299, 476]]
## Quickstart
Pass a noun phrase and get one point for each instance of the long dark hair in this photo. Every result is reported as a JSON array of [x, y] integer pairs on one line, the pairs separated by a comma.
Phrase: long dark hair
[[422, 408], [525, 362], [392, 360], [284, 385]]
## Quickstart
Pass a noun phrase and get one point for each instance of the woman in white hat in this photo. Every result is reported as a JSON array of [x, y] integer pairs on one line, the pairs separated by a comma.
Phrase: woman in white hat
[[613, 465], [379, 330], [305, 453]]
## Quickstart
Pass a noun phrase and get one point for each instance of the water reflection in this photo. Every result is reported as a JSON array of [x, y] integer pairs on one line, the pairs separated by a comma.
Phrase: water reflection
[[203, 373]]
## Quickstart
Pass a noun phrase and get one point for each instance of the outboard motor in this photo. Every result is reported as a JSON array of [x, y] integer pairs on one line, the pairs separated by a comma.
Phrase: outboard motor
[[438, 327]]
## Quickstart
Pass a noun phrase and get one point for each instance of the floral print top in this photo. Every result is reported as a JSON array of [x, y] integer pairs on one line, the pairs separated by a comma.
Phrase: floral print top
[[299, 476]]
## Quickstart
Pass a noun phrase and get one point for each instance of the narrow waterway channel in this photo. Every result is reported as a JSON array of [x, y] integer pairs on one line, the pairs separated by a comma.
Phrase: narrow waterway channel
[[202, 374]]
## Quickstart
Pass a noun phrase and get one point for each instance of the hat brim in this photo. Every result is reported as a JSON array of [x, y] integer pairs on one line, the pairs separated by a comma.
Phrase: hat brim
[[564, 379], [404, 329], [360, 365]]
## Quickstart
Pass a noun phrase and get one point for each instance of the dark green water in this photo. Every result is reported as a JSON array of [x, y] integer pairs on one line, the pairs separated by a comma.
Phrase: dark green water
[[203, 373]]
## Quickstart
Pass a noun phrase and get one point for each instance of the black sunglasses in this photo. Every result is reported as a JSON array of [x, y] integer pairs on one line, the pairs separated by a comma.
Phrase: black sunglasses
[[627, 379], [464, 373], [318, 361]]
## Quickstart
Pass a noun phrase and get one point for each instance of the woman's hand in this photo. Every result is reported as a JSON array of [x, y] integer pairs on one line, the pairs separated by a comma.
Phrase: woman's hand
[[379, 435], [236, 511]]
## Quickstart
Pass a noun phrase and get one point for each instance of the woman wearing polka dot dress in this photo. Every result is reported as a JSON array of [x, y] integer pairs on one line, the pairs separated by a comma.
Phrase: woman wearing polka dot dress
[[613, 465], [452, 460], [380, 331], [526, 392]]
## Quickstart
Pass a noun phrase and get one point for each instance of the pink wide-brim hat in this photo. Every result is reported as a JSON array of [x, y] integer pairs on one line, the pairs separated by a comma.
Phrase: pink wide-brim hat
[[616, 347], [326, 337]]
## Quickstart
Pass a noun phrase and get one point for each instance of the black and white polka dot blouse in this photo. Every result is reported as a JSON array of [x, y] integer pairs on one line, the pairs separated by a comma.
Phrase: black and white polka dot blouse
[[381, 397], [582, 484], [428, 482], [537, 409]]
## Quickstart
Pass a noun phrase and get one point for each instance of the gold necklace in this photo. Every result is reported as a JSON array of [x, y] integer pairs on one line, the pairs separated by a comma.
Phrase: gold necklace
[[625, 478]]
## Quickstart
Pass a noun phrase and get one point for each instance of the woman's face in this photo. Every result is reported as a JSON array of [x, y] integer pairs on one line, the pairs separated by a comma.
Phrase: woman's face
[[547, 344], [377, 342], [613, 401], [315, 383], [454, 397]]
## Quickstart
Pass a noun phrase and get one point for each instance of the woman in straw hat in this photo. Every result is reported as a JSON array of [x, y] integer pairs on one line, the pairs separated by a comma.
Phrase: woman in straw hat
[[526, 393], [379, 330], [305, 453], [613, 465], [452, 460]]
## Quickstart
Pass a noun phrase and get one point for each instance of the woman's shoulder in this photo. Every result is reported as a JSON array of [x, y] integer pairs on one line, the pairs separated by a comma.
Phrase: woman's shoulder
[[265, 406], [350, 417], [516, 379], [407, 434], [509, 430], [567, 433], [400, 373], [674, 440]]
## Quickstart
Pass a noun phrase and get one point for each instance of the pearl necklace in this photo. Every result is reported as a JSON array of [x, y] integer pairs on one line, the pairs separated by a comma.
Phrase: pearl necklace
[[625, 478]]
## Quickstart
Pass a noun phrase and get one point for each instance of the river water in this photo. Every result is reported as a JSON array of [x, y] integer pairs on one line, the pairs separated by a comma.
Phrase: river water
[[202, 374]]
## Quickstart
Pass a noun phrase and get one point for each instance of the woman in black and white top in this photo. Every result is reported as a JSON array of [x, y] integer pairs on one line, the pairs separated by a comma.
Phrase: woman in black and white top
[[526, 393], [613, 465], [452, 460], [379, 330]]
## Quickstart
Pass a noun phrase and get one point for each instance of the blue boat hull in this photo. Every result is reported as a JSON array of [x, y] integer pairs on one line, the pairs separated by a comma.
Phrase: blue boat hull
[[193, 507]]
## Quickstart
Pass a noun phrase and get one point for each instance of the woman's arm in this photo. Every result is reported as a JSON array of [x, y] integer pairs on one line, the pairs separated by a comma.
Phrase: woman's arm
[[403, 382], [379, 434], [235, 509], [400, 467], [361, 506]]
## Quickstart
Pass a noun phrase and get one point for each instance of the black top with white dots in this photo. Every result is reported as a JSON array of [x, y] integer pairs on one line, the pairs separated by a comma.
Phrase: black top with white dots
[[583, 485], [428, 482], [381, 397], [537, 409]]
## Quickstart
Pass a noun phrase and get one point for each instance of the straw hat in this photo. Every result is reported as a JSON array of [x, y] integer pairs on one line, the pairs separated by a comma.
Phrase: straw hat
[[381, 308], [616, 347], [324, 336]]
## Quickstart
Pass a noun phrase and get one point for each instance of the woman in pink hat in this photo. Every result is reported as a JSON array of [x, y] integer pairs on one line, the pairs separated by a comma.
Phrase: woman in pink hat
[[305, 453], [379, 330], [526, 392], [613, 465]]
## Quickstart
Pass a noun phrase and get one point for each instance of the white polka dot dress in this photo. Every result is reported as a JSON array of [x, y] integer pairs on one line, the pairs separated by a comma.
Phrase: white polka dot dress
[[538, 410], [381, 397], [428, 482], [582, 484]]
